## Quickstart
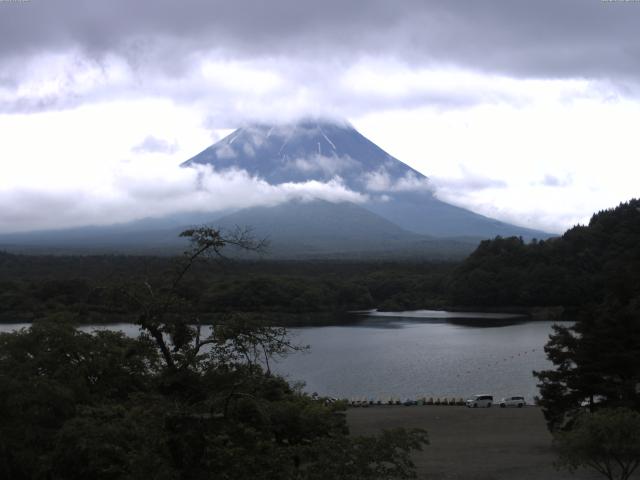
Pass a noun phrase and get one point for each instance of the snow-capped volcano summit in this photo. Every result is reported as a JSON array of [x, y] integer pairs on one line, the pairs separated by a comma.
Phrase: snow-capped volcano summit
[[324, 151], [309, 150]]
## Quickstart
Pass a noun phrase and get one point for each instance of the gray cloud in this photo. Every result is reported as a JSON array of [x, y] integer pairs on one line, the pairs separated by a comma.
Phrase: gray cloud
[[554, 181], [229, 93], [469, 182], [546, 38], [62, 54], [152, 144]]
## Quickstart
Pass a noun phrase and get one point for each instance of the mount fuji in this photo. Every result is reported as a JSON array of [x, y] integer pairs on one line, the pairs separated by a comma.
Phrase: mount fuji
[[323, 151], [390, 209]]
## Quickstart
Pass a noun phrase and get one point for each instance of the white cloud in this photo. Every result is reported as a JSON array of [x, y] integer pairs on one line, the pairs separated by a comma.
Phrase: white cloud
[[467, 182], [239, 76], [550, 209], [248, 150], [588, 144], [225, 151], [331, 191], [77, 167], [144, 189], [380, 181], [280, 88], [151, 144], [396, 82], [328, 165], [74, 120]]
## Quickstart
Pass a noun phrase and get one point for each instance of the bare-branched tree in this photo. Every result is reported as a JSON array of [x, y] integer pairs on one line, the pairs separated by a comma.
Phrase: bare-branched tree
[[174, 324]]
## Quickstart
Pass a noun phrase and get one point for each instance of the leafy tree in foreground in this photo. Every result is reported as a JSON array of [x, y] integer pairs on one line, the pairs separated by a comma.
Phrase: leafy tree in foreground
[[174, 403], [49, 373], [597, 364], [607, 441]]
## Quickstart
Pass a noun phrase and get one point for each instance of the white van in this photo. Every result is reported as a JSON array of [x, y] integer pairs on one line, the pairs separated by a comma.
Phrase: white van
[[513, 402], [482, 401]]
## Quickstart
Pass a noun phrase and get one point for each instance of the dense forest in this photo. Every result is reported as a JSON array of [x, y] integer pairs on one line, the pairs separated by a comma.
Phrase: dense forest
[[89, 287], [578, 270]]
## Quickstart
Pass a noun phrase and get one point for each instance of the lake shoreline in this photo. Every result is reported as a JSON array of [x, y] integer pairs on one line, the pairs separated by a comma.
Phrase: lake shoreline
[[551, 312], [312, 319]]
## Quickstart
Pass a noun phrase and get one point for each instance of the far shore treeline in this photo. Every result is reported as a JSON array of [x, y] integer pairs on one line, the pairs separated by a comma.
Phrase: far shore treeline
[[569, 273], [89, 287]]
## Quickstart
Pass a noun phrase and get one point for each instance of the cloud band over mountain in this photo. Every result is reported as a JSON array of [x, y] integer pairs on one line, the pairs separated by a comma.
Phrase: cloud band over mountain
[[138, 191]]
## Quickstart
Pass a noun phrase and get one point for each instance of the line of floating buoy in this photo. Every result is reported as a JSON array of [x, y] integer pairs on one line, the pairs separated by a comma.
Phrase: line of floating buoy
[[497, 362]]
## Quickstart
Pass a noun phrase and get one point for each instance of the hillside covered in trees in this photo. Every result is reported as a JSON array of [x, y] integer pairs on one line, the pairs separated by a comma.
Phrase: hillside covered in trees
[[582, 268]]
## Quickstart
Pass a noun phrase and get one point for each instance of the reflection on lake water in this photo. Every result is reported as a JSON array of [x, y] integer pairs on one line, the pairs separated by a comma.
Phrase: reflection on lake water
[[407, 354], [411, 354]]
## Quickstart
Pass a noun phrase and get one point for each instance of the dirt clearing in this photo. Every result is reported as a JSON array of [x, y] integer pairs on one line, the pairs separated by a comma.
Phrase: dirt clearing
[[472, 444]]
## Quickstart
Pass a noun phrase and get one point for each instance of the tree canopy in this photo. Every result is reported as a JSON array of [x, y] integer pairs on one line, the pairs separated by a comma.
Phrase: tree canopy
[[607, 441], [177, 402], [597, 364], [578, 270]]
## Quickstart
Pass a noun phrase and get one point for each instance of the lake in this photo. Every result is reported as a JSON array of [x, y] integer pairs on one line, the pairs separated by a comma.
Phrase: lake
[[412, 354]]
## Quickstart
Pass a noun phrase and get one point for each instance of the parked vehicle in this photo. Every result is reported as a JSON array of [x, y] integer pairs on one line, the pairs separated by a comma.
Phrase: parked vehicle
[[513, 402], [481, 401], [588, 402]]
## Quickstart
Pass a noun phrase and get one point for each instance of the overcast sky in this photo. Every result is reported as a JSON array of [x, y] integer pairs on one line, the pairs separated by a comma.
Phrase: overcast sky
[[527, 111]]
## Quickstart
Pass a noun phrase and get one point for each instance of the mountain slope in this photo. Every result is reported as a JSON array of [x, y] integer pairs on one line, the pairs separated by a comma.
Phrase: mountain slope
[[309, 150], [422, 213], [295, 230], [321, 151], [321, 228]]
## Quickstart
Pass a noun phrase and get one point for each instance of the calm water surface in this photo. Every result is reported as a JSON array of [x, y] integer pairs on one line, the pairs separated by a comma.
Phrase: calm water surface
[[410, 354]]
